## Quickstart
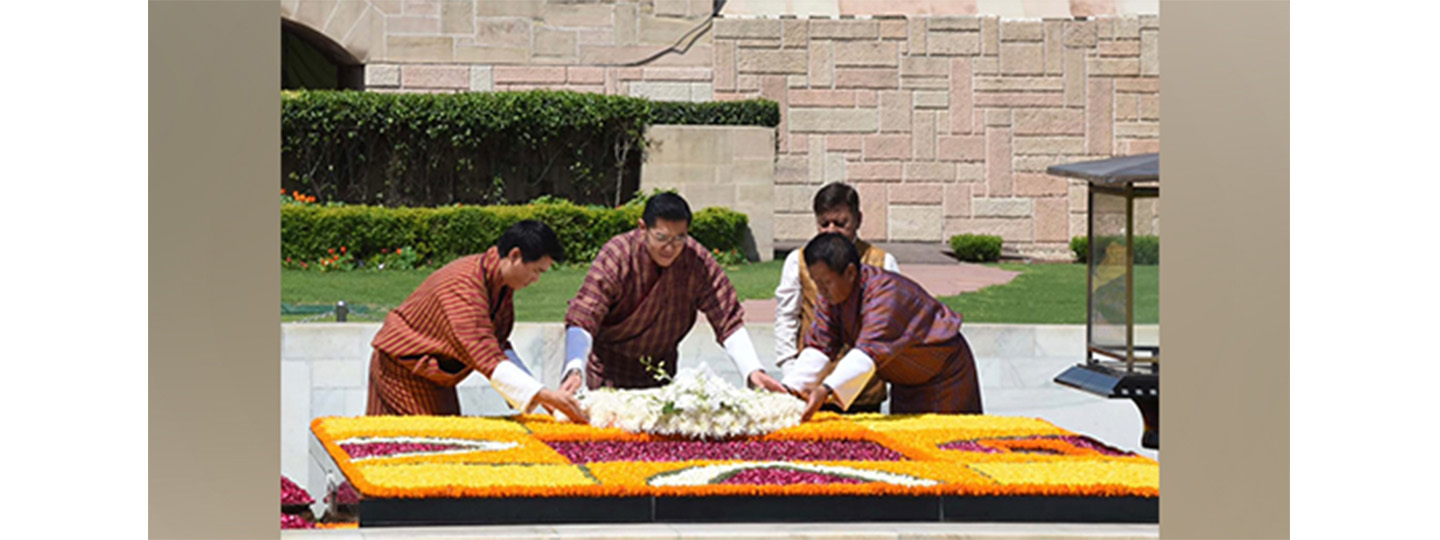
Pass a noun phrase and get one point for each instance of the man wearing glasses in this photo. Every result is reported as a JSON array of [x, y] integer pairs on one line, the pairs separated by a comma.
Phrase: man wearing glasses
[[640, 298]]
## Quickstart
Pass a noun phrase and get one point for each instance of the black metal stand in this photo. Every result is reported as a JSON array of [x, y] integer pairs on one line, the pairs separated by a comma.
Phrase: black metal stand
[[1142, 388]]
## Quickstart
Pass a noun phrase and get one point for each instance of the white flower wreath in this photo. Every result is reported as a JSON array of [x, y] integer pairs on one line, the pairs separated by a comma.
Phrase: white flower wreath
[[695, 404]]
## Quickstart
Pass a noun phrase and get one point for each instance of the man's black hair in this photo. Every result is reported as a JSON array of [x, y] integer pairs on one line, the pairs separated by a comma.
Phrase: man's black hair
[[535, 240], [668, 206], [835, 195], [833, 250]]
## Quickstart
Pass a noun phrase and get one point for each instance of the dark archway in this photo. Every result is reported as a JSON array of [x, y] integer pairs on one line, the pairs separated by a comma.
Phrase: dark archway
[[311, 60]]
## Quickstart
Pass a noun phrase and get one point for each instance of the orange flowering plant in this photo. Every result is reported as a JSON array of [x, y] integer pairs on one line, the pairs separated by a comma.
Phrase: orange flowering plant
[[335, 259], [295, 197]]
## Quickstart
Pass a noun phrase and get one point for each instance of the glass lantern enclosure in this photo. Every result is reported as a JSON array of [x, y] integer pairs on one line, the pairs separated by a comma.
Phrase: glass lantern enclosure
[[1122, 356]]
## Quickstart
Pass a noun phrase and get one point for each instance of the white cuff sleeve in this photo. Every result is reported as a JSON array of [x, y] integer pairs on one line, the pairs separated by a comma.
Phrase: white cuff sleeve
[[577, 351], [805, 369], [516, 386], [850, 376], [742, 352]]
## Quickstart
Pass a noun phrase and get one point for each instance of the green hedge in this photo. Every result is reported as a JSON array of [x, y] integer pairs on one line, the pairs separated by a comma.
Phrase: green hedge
[[1147, 248], [755, 112], [438, 235], [1080, 246], [479, 148], [976, 247]]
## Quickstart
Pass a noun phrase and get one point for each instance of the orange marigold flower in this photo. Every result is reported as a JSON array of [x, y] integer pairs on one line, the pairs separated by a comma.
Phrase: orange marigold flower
[[342, 249], [332, 251]]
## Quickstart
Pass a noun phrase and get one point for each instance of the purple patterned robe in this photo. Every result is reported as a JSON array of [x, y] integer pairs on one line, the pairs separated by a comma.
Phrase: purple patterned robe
[[914, 340]]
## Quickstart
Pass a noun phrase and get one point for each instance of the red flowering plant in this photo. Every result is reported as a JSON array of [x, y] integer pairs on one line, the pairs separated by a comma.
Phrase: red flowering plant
[[729, 259], [335, 260], [404, 258]]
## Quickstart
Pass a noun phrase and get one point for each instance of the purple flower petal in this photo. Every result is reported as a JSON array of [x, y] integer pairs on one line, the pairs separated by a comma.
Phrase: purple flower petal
[[590, 452], [291, 494], [344, 494], [970, 446], [288, 521], [381, 449], [782, 476]]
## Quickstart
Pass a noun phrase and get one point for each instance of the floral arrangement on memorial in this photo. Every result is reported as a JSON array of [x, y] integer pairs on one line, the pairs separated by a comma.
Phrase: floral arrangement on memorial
[[868, 454], [695, 404]]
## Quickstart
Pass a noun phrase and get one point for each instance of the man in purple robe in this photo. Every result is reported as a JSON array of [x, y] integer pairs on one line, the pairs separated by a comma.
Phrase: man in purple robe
[[895, 330]]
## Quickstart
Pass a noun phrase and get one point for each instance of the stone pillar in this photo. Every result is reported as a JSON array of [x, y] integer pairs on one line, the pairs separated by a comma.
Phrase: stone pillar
[[730, 166]]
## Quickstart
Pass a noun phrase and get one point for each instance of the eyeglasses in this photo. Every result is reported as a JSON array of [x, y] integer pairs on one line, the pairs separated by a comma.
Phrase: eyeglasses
[[662, 238]]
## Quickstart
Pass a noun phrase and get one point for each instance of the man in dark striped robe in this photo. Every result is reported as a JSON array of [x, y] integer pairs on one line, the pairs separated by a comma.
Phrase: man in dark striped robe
[[458, 322], [896, 331], [640, 298]]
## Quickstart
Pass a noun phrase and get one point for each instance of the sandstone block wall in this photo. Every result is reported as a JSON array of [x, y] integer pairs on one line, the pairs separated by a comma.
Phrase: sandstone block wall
[[944, 122]]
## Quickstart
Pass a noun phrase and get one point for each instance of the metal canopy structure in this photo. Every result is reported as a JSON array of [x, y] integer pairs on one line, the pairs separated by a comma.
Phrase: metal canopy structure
[[1115, 365], [1115, 172]]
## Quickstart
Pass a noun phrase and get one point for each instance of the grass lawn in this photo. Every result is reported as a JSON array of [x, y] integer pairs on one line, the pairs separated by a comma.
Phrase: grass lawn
[[545, 301], [1050, 294], [1041, 294]]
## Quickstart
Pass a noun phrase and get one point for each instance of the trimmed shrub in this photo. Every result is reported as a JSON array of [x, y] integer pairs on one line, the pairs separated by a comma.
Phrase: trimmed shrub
[[976, 247], [1080, 245], [719, 228], [479, 148], [752, 112], [1147, 247], [437, 235], [1147, 250]]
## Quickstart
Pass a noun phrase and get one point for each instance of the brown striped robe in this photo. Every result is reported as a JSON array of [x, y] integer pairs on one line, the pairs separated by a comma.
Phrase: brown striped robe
[[874, 393], [461, 315], [914, 340], [632, 308]]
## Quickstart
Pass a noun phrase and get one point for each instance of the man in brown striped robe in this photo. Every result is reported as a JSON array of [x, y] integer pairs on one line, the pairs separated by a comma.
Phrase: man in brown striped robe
[[640, 298], [457, 322], [897, 332], [837, 210]]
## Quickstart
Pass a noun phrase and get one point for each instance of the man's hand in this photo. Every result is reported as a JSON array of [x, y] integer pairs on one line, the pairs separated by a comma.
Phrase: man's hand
[[571, 384], [429, 368], [758, 378], [797, 394], [815, 400], [566, 404]]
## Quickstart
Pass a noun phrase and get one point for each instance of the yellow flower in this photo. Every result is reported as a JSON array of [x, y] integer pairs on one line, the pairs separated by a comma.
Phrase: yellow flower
[[1087, 477], [431, 426], [467, 480]]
